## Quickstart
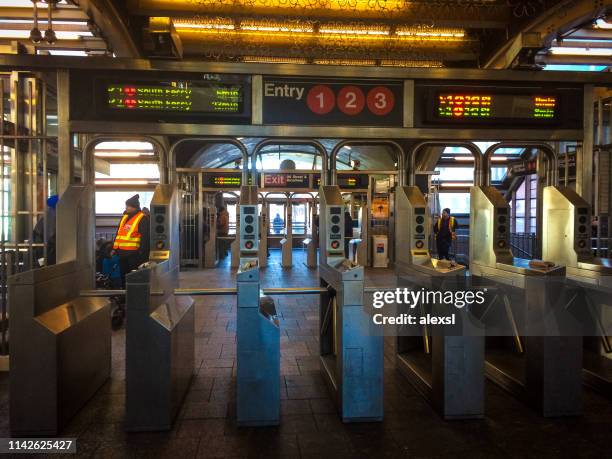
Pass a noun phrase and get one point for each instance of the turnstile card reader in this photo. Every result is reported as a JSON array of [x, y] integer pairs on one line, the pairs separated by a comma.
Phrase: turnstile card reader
[[165, 224], [448, 367], [351, 350], [249, 222], [331, 225], [257, 330]]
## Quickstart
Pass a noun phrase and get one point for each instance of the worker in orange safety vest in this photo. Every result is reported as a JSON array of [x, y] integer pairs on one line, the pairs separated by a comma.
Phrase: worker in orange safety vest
[[132, 238], [444, 229]]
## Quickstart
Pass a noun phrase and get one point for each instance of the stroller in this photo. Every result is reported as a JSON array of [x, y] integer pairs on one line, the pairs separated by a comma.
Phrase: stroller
[[104, 282]]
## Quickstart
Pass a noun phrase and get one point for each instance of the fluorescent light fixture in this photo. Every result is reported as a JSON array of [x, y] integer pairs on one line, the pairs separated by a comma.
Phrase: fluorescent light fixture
[[575, 67], [432, 33], [25, 3], [456, 184], [60, 34], [342, 29], [499, 158], [348, 147], [65, 52], [124, 145], [344, 61], [571, 51], [601, 23], [222, 24], [274, 60], [261, 26], [410, 63], [122, 154], [122, 182], [464, 158], [42, 22]]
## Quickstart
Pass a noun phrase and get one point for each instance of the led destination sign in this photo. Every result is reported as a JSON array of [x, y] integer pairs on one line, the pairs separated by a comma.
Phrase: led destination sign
[[183, 97], [222, 180], [496, 106]]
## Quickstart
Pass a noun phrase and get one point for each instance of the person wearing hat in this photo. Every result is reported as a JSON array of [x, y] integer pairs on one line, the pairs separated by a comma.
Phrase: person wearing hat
[[38, 235], [444, 229], [132, 240]]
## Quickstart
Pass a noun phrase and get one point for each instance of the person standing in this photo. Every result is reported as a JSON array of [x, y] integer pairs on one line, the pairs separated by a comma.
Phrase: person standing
[[39, 233], [132, 241], [445, 229], [223, 230], [348, 232]]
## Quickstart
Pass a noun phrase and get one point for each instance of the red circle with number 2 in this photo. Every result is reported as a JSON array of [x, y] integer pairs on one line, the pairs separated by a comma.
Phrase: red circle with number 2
[[380, 100], [351, 100], [321, 99]]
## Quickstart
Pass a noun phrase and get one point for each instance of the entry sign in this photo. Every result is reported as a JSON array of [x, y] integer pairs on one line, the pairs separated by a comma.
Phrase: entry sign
[[324, 102]]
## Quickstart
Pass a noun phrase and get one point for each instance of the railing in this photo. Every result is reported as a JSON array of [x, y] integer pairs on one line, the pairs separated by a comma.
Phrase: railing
[[601, 247], [525, 245]]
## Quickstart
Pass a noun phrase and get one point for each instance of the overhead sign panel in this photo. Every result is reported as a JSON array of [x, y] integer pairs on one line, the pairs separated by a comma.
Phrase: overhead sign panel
[[222, 180], [176, 97], [324, 102], [286, 180], [496, 106], [493, 105], [170, 97]]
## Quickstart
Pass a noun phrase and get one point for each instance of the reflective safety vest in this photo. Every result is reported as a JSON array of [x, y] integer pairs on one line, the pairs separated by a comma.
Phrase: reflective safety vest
[[451, 223], [128, 237]]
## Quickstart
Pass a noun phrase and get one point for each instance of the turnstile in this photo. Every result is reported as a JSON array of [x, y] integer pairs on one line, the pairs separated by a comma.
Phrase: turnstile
[[257, 331], [566, 233], [446, 365], [351, 350], [160, 327], [544, 364], [60, 343]]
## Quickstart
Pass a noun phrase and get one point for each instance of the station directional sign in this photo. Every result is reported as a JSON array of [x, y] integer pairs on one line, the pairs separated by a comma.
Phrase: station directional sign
[[320, 102]]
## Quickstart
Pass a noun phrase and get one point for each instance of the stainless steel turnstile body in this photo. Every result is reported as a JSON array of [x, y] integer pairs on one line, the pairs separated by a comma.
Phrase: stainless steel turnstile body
[[351, 349], [566, 232], [60, 348], [60, 343], [448, 368], [160, 331], [257, 330], [548, 373], [160, 327]]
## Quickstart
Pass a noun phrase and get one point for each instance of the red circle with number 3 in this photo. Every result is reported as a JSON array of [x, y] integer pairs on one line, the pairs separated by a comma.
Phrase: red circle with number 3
[[351, 100], [380, 100], [321, 99]]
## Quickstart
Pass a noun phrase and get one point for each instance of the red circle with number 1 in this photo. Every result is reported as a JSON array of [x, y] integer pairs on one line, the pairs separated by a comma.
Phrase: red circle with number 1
[[321, 99], [351, 100], [380, 100]]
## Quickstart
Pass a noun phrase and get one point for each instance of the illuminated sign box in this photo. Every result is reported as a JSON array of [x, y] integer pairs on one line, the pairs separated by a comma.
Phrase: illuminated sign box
[[222, 180], [496, 106], [160, 97], [176, 97], [491, 105]]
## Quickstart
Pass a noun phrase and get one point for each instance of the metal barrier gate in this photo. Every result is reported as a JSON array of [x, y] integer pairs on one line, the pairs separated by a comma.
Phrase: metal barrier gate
[[25, 146]]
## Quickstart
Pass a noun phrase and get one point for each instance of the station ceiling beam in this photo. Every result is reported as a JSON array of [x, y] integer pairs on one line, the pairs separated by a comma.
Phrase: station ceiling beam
[[564, 17], [113, 27]]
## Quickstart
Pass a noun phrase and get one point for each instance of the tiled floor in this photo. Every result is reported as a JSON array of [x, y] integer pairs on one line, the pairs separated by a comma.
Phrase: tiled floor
[[309, 425]]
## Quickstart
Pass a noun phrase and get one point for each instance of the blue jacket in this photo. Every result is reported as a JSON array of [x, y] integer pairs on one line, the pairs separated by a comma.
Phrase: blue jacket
[[110, 267]]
